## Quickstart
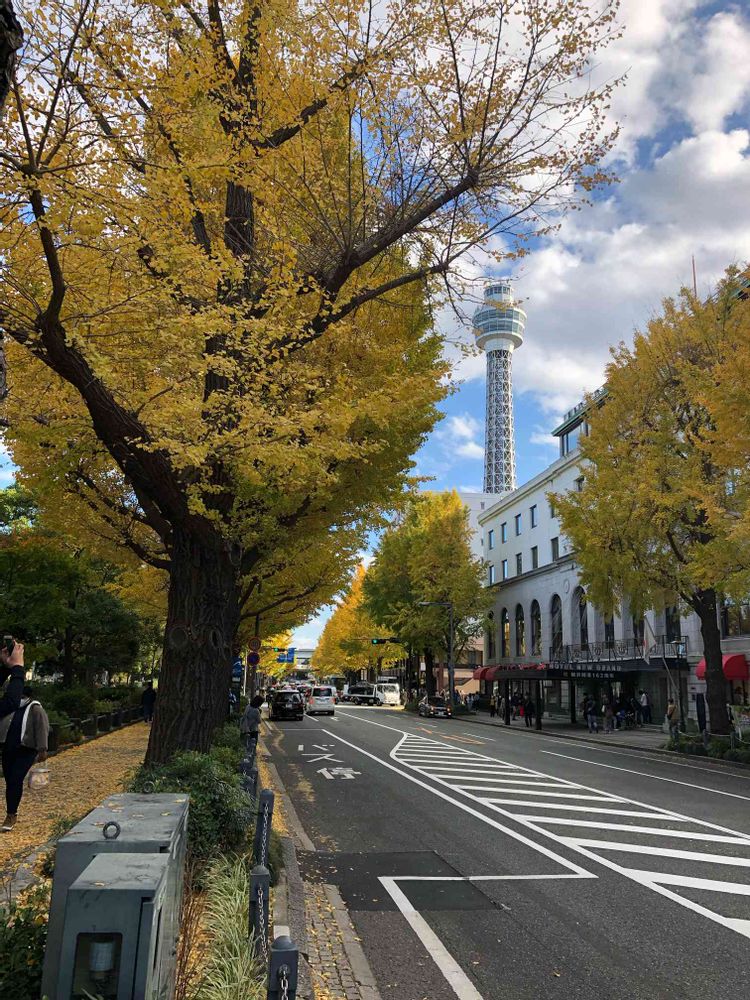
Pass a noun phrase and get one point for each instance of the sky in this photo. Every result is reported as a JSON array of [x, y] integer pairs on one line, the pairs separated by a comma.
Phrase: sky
[[683, 163]]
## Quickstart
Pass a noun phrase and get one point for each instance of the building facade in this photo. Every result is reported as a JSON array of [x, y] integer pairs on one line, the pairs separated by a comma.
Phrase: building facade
[[544, 628]]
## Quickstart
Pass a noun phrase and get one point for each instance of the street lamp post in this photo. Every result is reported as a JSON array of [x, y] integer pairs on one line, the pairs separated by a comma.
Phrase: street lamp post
[[451, 667]]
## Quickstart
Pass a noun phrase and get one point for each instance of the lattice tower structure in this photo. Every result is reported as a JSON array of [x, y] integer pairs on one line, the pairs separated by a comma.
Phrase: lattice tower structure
[[499, 326]]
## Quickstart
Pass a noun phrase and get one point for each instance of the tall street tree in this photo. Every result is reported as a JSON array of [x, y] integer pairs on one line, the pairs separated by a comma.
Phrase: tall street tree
[[219, 222], [663, 512]]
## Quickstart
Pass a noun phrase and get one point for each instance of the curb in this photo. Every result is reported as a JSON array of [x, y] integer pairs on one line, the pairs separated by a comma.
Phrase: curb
[[667, 754]]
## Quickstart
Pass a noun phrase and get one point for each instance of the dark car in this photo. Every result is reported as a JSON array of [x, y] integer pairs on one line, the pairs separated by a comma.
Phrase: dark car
[[435, 707], [286, 705]]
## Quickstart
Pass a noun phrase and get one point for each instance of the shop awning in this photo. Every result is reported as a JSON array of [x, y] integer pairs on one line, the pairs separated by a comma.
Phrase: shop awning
[[734, 664], [480, 673]]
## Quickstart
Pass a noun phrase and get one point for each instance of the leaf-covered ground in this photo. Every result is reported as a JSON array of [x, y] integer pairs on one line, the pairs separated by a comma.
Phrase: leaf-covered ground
[[79, 779]]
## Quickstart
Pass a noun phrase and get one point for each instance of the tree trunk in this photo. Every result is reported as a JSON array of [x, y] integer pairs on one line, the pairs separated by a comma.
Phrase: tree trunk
[[705, 606], [11, 39], [68, 665], [202, 619], [429, 674]]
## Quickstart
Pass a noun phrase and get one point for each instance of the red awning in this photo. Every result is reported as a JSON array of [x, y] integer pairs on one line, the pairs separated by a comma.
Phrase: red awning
[[480, 673], [735, 668]]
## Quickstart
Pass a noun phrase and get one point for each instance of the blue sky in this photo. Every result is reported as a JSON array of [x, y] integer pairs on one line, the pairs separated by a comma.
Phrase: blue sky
[[683, 160]]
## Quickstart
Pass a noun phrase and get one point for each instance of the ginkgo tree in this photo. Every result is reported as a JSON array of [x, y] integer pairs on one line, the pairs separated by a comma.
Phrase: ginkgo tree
[[219, 224]]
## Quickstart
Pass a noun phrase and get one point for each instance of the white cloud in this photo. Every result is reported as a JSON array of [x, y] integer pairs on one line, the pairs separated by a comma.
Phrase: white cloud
[[470, 449], [461, 437], [718, 81], [542, 437]]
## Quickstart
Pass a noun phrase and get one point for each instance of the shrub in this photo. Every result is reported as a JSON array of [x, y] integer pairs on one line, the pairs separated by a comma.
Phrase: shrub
[[741, 756], [459, 709], [411, 706], [229, 736], [220, 812], [23, 933], [75, 702]]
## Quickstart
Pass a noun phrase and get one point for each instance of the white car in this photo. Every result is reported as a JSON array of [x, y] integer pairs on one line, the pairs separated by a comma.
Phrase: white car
[[321, 701]]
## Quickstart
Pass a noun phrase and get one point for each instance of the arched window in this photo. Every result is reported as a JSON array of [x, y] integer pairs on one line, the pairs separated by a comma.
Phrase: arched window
[[580, 616], [609, 632], [520, 632], [672, 623], [504, 633], [536, 629], [491, 643], [557, 625], [639, 630]]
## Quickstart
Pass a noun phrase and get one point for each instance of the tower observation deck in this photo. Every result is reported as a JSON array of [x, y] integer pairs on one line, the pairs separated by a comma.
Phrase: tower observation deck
[[499, 327]]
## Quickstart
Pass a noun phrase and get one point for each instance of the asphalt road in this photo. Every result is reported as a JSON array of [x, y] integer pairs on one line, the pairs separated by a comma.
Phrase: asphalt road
[[483, 863]]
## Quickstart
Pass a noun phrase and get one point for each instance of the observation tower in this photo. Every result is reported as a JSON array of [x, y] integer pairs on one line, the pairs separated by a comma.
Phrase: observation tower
[[499, 326]]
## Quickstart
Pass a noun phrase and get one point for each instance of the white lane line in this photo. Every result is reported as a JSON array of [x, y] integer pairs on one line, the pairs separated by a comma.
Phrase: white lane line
[[659, 852], [489, 739], [690, 882], [478, 878], [566, 808], [642, 774], [571, 866], [507, 781], [721, 771], [457, 979], [559, 795], [633, 828]]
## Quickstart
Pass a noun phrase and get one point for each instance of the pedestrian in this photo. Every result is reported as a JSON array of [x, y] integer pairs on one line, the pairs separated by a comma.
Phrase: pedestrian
[[609, 717], [24, 735], [250, 724], [645, 707], [11, 666], [501, 707], [673, 718], [528, 712], [148, 700], [591, 717], [493, 706]]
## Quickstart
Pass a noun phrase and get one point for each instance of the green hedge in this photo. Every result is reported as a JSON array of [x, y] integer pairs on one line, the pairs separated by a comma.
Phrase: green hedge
[[719, 748], [23, 934]]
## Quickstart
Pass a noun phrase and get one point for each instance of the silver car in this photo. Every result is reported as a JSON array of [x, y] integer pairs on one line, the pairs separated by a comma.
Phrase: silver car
[[321, 701]]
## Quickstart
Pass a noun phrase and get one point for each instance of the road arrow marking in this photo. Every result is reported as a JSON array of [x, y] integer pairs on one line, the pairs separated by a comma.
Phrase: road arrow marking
[[338, 772]]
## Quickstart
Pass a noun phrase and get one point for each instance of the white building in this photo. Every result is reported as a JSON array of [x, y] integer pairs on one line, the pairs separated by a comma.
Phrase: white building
[[543, 627]]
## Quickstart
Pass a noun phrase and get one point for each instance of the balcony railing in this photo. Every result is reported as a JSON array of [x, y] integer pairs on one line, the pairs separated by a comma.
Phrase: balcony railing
[[617, 650]]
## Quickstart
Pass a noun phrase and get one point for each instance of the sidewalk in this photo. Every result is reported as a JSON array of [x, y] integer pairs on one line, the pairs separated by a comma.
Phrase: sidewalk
[[642, 738], [79, 779]]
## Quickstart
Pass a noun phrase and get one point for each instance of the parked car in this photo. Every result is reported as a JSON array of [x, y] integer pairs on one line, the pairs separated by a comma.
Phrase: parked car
[[435, 707], [363, 694], [286, 704], [321, 701]]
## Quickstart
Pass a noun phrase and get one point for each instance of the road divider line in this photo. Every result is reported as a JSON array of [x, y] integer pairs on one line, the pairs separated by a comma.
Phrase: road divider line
[[643, 774]]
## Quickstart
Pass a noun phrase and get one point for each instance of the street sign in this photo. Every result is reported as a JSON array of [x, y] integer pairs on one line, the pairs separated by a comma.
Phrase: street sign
[[253, 659], [237, 670], [254, 644]]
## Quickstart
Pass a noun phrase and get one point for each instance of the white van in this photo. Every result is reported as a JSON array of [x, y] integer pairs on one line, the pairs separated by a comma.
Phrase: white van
[[388, 693]]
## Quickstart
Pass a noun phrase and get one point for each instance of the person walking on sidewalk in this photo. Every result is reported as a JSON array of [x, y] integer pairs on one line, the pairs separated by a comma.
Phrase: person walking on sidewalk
[[250, 724], [609, 717], [645, 707], [528, 712], [493, 706], [590, 712], [23, 735], [148, 700], [673, 718]]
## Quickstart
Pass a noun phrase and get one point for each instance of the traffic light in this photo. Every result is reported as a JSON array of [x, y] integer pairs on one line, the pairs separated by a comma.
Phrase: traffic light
[[382, 642]]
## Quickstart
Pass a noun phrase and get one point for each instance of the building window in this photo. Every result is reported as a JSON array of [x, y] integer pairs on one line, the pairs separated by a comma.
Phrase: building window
[[535, 557], [552, 512], [518, 524], [519, 564], [491, 643], [504, 532], [536, 629], [520, 632], [555, 545], [504, 634], [735, 617], [583, 619], [609, 632], [579, 484], [557, 626], [491, 573], [534, 520], [672, 624], [639, 630], [491, 539], [569, 440], [504, 567]]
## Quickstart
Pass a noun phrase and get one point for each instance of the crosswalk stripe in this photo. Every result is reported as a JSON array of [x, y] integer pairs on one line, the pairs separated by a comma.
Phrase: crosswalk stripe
[[632, 828], [660, 852], [691, 882]]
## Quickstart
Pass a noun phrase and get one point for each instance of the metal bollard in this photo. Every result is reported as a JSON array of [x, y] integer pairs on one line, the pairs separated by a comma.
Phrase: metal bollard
[[262, 837], [250, 782], [283, 969], [258, 917]]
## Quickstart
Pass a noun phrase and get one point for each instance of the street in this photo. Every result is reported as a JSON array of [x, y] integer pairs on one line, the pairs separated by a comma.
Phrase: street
[[485, 863]]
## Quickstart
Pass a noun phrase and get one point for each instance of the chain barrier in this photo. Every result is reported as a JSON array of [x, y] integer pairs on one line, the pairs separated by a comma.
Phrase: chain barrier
[[284, 982], [263, 925], [264, 841]]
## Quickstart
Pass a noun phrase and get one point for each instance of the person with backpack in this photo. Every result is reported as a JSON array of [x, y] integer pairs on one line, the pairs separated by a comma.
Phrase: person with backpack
[[23, 735]]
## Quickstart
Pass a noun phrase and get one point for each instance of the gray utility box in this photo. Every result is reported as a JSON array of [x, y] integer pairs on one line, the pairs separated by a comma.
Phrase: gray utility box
[[149, 824], [114, 946]]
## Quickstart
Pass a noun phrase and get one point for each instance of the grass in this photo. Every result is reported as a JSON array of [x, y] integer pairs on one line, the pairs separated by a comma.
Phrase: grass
[[230, 970]]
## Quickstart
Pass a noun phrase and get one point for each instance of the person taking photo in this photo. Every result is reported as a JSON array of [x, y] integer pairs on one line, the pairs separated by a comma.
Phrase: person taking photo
[[23, 734]]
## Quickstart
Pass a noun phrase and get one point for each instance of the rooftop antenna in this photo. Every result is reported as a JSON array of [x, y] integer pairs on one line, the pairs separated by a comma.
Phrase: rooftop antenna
[[695, 282]]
